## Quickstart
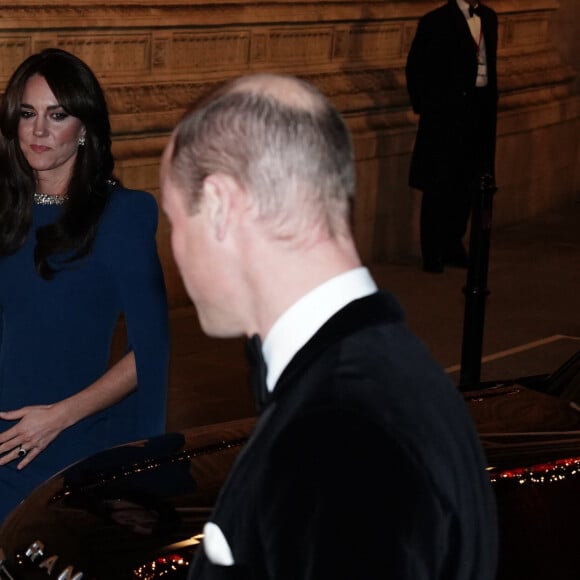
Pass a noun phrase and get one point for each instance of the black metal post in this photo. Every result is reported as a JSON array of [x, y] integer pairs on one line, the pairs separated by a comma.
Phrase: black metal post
[[476, 290]]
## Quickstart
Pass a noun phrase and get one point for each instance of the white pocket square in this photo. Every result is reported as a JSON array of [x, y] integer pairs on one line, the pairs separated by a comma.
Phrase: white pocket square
[[216, 546]]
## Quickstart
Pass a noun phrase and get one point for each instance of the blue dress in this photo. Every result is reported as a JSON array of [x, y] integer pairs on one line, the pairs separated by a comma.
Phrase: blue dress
[[55, 336]]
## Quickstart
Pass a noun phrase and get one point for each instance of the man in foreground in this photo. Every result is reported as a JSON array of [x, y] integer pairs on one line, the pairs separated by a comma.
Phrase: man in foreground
[[364, 462]]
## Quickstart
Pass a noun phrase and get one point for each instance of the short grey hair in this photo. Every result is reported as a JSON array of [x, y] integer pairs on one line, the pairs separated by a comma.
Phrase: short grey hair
[[295, 161]]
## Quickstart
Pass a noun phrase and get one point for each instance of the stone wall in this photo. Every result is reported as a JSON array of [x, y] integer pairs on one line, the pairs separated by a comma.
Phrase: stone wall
[[565, 33]]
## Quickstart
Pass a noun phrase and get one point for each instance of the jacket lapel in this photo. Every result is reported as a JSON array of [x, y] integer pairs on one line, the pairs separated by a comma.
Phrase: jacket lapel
[[378, 308]]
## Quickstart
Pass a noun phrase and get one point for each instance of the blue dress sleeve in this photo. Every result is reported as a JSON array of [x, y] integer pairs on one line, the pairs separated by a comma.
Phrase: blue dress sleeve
[[139, 278]]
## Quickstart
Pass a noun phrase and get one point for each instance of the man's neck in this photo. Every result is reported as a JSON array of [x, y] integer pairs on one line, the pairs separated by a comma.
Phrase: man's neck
[[284, 277]]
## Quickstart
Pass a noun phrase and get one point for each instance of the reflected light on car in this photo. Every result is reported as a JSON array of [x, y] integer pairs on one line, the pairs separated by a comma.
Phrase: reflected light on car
[[542, 473], [168, 564]]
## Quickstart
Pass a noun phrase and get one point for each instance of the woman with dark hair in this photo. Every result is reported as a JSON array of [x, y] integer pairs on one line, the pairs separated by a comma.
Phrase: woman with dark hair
[[77, 251]]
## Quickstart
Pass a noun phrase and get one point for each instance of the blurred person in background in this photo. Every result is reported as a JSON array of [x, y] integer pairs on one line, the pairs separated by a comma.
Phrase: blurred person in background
[[452, 83]]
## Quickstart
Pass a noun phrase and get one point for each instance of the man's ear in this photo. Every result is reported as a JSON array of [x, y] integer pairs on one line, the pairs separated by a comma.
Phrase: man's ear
[[221, 197]]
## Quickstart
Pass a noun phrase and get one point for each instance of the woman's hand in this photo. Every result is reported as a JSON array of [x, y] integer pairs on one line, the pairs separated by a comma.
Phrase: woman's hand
[[37, 427]]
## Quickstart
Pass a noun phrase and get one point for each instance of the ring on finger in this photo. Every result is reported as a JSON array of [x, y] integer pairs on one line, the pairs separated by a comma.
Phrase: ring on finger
[[21, 451]]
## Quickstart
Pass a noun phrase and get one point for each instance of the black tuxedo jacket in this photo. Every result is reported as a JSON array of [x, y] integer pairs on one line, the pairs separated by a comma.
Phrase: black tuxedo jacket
[[364, 464], [441, 71]]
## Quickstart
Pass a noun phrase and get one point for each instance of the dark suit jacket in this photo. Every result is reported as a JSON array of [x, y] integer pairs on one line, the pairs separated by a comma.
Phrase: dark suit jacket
[[365, 464], [441, 71]]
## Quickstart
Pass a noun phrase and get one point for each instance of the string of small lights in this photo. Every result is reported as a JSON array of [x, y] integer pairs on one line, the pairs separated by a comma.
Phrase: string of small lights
[[542, 473]]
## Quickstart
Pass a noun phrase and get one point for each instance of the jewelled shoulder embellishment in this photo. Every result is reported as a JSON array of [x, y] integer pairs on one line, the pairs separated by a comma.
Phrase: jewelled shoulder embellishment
[[47, 199]]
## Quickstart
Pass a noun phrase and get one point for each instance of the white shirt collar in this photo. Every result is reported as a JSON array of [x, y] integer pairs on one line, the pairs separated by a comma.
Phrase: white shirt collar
[[464, 7], [303, 319]]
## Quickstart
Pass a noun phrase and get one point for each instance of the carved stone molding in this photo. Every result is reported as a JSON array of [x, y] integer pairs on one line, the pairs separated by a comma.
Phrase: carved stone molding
[[152, 73], [192, 13]]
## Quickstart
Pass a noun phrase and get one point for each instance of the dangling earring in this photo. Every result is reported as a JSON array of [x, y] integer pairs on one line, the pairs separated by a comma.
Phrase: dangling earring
[[82, 140]]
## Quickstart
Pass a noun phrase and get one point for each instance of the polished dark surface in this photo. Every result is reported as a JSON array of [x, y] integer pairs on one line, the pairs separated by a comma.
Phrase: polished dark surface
[[131, 512]]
